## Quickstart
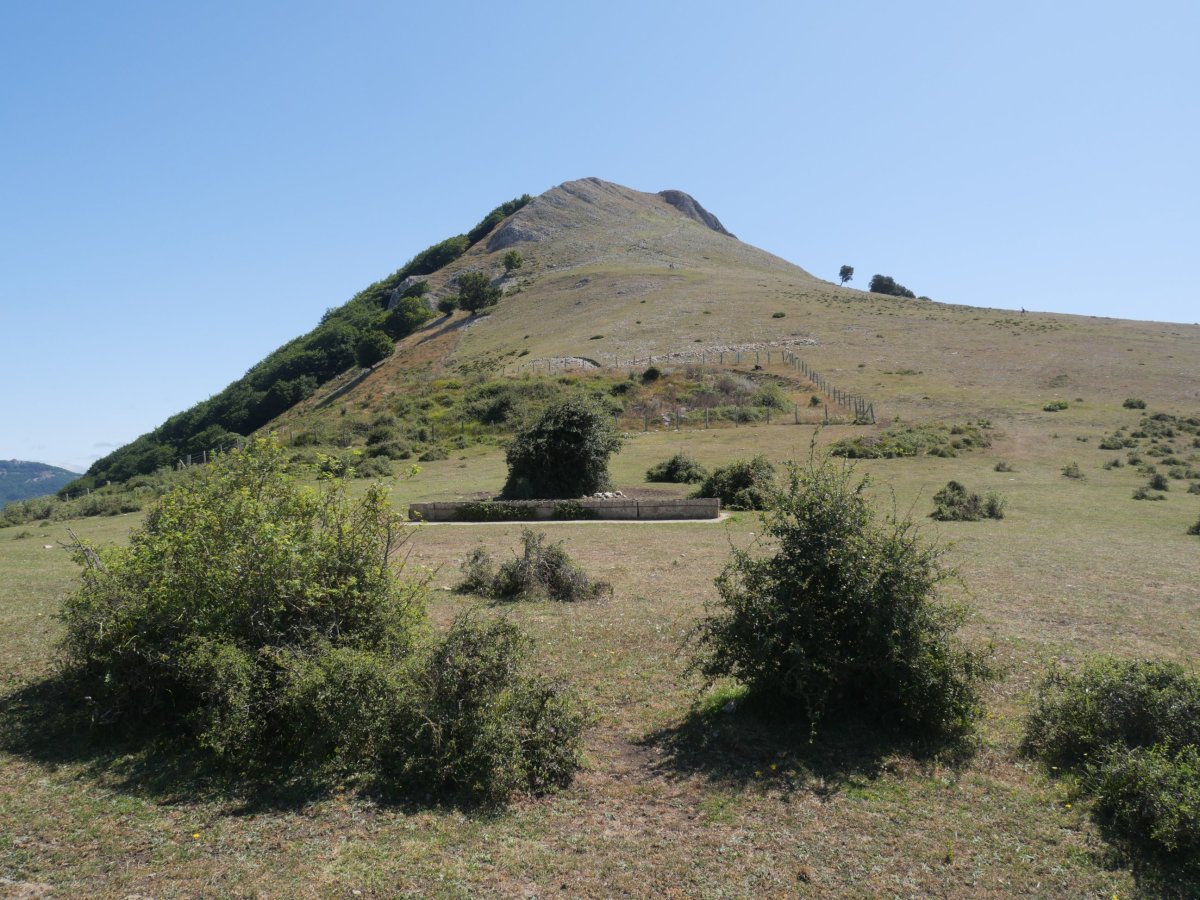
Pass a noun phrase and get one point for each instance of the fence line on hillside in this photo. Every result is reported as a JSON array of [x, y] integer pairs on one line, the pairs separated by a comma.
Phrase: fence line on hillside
[[862, 408]]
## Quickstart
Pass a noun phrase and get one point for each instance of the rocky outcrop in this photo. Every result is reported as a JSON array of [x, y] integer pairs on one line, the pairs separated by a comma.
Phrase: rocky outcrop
[[687, 205]]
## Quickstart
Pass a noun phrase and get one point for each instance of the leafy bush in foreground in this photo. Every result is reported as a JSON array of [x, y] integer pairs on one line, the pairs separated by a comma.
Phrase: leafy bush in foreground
[[842, 618], [743, 484], [1129, 731], [679, 469], [542, 571], [263, 623], [954, 503]]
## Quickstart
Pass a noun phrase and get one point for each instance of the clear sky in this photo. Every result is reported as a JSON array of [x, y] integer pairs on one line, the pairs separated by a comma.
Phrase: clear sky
[[184, 187]]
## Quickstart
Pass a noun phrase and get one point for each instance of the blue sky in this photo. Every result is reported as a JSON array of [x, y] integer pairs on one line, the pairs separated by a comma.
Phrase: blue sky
[[184, 187]]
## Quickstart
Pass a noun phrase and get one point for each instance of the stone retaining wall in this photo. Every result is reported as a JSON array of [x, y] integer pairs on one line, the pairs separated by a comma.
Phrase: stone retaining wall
[[562, 510]]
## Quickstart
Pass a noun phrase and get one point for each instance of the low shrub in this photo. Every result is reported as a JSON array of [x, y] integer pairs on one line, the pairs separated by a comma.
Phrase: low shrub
[[954, 503], [914, 440], [778, 315], [1056, 406], [1079, 717], [679, 469], [1002, 466], [743, 484], [542, 572], [494, 511], [1195, 529], [841, 619], [1151, 797], [1144, 493], [1132, 403], [1159, 482], [1113, 464], [1129, 732], [433, 454], [1072, 470]]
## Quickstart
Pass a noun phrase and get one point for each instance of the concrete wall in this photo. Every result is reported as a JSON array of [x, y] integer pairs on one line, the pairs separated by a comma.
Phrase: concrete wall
[[619, 509]]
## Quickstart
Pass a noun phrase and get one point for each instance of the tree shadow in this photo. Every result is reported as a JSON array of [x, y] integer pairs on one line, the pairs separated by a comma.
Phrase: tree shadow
[[49, 722], [755, 743]]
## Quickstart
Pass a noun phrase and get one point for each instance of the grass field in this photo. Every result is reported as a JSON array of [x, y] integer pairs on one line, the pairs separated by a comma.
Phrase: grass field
[[674, 798]]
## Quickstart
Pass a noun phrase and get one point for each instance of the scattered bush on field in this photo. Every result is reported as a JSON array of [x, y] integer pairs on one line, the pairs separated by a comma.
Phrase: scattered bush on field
[[1056, 406], [914, 440], [1144, 493], [1132, 403], [1128, 731], [1159, 482], [1002, 466], [954, 503], [1195, 529], [679, 469], [1072, 470], [743, 484], [842, 619], [262, 623], [542, 572]]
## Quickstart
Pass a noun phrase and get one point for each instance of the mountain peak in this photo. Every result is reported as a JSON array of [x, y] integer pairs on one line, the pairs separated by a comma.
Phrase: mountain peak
[[593, 201]]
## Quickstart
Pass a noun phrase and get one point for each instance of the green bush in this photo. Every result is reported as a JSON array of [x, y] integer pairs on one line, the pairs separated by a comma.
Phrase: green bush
[[409, 314], [1159, 482], [1056, 406], [1195, 529], [1072, 470], [447, 305], [1079, 717], [1002, 466], [1132, 403], [513, 260], [262, 622], [1144, 493], [941, 440], [1129, 732], [954, 503], [1151, 797], [564, 454], [542, 572], [475, 292], [743, 484], [679, 469], [486, 726], [842, 618]]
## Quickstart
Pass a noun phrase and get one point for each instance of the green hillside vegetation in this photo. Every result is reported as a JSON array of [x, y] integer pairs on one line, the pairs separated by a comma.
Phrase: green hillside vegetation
[[20, 479], [294, 371]]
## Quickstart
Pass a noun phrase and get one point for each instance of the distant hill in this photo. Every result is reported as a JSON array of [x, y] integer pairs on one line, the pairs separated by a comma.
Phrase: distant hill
[[20, 480]]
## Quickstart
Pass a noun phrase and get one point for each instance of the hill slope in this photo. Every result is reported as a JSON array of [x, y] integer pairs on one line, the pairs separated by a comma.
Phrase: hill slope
[[613, 275], [20, 480]]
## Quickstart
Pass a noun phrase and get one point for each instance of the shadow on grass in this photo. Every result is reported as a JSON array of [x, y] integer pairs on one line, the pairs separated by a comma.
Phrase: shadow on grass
[[47, 723], [754, 743]]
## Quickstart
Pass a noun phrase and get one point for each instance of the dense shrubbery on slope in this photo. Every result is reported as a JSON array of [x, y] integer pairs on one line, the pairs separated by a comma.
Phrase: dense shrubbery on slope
[[288, 375]]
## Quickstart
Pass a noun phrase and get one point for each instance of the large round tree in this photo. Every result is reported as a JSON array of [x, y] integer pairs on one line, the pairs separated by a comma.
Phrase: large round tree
[[563, 455]]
